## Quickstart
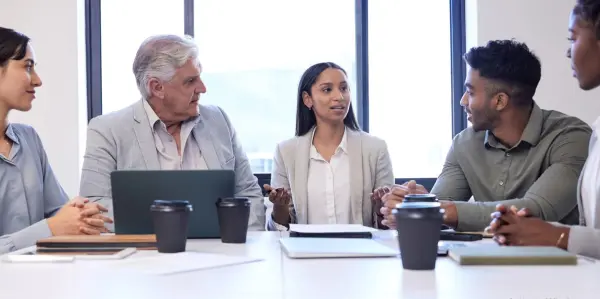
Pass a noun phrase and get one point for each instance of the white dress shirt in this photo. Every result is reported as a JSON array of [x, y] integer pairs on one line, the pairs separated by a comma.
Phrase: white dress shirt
[[591, 180], [169, 158], [329, 186]]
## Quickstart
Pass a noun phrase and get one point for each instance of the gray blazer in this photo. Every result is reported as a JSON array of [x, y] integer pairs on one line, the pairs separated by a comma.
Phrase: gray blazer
[[123, 140], [584, 239], [370, 168]]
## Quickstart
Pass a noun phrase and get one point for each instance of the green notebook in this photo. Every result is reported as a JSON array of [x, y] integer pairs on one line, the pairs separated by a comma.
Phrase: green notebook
[[511, 255]]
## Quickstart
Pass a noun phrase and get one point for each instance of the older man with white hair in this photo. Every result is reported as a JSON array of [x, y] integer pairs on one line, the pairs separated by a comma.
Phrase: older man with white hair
[[167, 129]]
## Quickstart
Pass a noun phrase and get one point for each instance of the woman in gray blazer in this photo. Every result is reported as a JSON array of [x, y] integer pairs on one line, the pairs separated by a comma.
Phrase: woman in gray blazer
[[331, 172], [33, 205], [514, 227]]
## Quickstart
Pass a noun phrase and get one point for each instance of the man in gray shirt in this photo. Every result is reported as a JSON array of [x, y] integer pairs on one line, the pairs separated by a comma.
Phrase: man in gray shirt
[[514, 154]]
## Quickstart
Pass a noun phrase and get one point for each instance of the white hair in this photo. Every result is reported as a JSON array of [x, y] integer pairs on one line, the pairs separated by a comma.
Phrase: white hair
[[159, 57]]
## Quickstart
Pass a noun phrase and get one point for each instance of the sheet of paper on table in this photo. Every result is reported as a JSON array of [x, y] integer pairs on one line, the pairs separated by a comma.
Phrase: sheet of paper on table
[[331, 228], [164, 264]]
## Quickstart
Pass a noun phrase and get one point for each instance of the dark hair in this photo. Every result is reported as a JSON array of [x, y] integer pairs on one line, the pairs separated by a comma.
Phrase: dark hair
[[589, 11], [13, 45], [305, 118], [511, 66]]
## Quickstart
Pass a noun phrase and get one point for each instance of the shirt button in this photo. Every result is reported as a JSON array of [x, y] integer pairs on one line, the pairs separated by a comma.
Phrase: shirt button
[[501, 183], [508, 154]]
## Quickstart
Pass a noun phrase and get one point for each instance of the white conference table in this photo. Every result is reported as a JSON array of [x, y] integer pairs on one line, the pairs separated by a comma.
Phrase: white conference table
[[280, 277]]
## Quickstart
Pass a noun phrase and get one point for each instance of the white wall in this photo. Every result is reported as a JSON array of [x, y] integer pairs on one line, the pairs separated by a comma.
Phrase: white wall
[[543, 28], [59, 114]]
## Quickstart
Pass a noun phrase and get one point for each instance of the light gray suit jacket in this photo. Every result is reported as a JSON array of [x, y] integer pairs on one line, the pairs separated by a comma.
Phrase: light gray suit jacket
[[585, 238], [123, 140], [370, 168]]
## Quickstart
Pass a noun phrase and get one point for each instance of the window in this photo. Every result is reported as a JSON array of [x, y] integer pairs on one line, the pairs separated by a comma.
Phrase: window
[[410, 84], [254, 55], [406, 81], [125, 24]]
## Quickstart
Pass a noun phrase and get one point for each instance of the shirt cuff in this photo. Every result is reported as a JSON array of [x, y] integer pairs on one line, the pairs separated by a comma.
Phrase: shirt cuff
[[280, 227], [471, 217], [272, 225], [576, 235], [584, 241], [30, 235]]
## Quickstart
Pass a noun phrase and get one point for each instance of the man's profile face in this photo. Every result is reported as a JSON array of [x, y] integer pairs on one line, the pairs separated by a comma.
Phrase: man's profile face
[[476, 102], [182, 93]]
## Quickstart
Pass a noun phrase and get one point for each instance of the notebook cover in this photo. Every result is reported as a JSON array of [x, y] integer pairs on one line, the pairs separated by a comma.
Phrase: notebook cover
[[350, 235], [98, 241], [483, 234], [453, 236], [77, 251], [511, 255]]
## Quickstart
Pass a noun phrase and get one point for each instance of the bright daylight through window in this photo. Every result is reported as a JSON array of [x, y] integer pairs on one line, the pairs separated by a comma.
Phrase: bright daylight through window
[[254, 55], [253, 63], [125, 24]]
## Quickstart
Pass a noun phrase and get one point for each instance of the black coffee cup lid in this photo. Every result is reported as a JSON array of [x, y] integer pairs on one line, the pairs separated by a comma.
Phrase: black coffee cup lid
[[171, 203], [426, 207], [233, 201], [420, 197]]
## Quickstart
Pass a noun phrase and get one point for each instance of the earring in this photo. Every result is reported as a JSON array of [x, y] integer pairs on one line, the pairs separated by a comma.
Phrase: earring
[[309, 107]]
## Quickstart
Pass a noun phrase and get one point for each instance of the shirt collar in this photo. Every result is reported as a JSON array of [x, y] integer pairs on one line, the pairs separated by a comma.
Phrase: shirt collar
[[343, 146], [153, 117], [531, 133], [10, 133]]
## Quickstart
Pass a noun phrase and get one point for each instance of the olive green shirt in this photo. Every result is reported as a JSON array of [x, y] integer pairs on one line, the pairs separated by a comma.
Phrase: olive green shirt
[[539, 173]]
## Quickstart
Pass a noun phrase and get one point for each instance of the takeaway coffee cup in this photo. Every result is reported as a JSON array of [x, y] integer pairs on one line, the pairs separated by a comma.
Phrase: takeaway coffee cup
[[418, 225], [233, 213], [423, 198], [170, 219]]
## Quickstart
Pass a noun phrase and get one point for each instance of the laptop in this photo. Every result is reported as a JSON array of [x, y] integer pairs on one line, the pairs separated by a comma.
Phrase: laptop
[[134, 191]]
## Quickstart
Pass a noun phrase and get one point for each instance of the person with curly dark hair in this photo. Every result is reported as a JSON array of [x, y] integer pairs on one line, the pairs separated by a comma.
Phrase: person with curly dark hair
[[515, 153], [514, 227]]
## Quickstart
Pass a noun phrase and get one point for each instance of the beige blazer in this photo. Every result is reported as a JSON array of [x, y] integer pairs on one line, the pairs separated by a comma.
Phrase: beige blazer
[[370, 168]]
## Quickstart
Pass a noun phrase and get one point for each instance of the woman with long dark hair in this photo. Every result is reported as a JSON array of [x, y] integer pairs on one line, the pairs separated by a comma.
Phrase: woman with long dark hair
[[33, 205], [331, 172], [513, 227]]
